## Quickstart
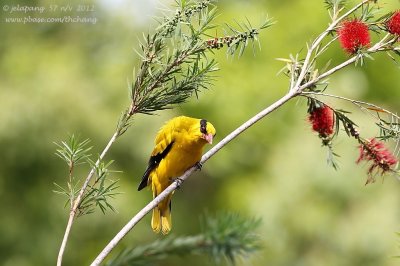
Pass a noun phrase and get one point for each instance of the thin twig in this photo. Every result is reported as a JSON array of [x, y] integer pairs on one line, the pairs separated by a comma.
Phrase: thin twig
[[319, 39], [376, 48], [327, 73], [358, 103], [79, 198]]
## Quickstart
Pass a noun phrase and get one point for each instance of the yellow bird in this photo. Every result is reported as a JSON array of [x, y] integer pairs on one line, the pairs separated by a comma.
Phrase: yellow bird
[[178, 146]]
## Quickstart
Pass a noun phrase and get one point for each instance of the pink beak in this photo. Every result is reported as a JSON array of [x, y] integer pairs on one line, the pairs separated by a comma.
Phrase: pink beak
[[208, 138]]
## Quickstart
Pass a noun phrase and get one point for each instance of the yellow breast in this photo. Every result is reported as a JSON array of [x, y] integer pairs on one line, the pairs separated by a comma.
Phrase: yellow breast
[[181, 157]]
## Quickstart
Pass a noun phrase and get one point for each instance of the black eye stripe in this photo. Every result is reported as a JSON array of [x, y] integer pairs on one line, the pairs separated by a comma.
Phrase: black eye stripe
[[203, 126]]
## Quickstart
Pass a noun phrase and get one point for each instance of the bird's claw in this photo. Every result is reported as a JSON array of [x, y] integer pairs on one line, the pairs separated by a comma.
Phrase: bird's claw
[[199, 165], [179, 182]]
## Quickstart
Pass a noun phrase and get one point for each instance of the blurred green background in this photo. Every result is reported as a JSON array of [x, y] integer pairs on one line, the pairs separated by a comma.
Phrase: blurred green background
[[62, 78]]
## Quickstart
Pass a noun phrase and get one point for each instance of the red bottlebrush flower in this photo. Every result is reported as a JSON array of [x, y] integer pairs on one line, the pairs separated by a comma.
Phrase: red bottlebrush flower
[[353, 35], [393, 24], [382, 159], [322, 120]]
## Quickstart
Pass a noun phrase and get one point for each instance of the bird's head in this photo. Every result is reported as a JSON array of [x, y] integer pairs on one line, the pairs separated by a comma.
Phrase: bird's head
[[205, 130]]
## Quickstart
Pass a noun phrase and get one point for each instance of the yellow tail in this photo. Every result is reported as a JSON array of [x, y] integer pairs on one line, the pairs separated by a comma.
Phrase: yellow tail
[[161, 219]]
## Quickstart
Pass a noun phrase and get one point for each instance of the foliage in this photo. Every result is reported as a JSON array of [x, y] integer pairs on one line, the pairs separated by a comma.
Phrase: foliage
[[101, 191], [351, 27], [75, 152], [227, 235], [174, 63]]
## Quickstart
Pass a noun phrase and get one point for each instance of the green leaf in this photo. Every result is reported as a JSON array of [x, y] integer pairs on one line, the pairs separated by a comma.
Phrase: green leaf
[[226, 235], [101, 191], [74, 151]]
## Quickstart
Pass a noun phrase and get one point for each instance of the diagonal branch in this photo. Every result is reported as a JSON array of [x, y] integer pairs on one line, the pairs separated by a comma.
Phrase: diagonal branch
[[125, 230]]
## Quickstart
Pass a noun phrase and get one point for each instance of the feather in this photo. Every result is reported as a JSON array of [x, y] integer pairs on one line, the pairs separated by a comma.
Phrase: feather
[[153, 163]]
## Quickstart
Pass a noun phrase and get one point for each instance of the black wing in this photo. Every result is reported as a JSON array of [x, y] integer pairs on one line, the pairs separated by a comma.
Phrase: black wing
[[153, 163]]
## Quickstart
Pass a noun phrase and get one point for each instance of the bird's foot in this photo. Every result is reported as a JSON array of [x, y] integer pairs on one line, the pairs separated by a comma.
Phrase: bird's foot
[[178, 182], [199, 165]]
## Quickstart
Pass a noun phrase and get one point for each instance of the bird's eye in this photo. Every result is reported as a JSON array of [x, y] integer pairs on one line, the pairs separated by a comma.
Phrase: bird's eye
[[203, 126]]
